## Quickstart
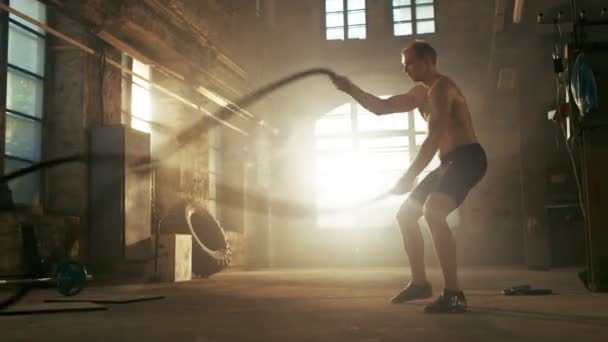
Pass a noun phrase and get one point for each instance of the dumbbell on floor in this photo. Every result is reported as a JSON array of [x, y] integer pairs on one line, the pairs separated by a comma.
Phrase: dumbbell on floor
[[70, 278]]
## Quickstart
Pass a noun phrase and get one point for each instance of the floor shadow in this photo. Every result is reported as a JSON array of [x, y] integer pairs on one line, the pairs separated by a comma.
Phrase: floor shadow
[[529, 314]]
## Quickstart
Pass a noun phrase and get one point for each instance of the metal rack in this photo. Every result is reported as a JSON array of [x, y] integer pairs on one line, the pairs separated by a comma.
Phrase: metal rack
[[587, 135]]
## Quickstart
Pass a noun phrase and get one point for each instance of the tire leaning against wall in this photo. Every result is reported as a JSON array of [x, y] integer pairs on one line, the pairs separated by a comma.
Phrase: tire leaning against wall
[[210, 248]]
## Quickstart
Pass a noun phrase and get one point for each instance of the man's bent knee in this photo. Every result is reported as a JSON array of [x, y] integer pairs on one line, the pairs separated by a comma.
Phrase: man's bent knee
[[433, 215], [408, 214], [437, 208]]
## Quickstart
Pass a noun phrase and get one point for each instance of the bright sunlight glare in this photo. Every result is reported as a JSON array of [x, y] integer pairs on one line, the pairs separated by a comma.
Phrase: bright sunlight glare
[[360, 156], [140, 98]]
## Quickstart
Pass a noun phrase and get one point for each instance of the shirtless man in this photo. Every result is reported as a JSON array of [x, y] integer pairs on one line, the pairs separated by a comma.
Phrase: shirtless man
[[463, 164]]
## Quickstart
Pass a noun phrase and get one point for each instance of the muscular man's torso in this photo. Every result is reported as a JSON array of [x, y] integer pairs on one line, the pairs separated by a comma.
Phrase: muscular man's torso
[[460, 129]]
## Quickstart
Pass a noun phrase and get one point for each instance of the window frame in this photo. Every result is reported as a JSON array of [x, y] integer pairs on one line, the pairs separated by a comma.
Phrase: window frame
[[345, 28], [356, 135], [5, 67], [414, 21], [128, 118]]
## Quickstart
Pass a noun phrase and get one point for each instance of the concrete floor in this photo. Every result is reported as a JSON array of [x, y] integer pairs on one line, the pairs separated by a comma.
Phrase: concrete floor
[[327, 305]]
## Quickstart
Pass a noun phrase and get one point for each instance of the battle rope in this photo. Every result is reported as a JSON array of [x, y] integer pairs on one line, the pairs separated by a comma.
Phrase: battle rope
[[184, 138]]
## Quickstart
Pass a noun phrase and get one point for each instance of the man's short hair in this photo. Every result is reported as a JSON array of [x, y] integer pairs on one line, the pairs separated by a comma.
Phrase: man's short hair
[[422, 49]]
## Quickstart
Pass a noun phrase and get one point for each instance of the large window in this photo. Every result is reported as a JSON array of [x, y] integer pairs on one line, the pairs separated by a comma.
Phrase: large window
[[413, 17], [345, 19], [24, 98], [136, 99], [360, 155]]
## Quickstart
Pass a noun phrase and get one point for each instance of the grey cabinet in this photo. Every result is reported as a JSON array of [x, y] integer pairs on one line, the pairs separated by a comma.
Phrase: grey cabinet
[[119, 196]]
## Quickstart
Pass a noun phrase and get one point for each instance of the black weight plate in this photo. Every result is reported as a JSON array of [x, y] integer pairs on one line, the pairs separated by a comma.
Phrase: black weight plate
[[70, 278]]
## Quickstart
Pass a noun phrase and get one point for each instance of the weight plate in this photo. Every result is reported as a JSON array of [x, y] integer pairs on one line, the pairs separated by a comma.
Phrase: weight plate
[[70, 278]]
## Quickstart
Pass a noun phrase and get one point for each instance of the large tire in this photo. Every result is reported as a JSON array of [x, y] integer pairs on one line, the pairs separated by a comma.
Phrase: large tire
[[210, 248]]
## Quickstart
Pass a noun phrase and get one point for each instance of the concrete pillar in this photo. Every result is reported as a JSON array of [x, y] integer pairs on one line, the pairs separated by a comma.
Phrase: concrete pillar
[[74, 103]]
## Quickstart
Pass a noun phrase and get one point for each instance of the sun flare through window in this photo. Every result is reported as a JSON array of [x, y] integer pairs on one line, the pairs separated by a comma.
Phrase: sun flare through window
[[360, 155]]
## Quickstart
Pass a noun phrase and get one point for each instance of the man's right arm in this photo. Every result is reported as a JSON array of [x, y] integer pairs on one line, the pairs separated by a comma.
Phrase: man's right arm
[[394, 104]]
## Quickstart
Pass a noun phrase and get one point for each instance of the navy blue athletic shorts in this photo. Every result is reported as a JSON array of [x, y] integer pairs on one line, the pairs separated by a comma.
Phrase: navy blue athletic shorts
[[458, 173]]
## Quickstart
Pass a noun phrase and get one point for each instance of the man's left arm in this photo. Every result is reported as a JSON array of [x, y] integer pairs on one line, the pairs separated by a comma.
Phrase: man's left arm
[[440, 108]]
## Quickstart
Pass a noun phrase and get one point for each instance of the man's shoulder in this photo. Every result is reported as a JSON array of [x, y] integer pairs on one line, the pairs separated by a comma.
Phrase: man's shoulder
[[444, 86], [419, 89]]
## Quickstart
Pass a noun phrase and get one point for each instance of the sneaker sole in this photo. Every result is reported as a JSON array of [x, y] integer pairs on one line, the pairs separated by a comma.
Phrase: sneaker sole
[[411, 300], [451, 311]]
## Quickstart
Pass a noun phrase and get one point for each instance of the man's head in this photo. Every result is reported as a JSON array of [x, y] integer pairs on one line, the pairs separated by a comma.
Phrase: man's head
[[419, 60]]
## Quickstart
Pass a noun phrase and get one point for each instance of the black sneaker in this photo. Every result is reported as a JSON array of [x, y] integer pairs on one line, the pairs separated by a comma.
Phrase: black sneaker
[[412, 292], [449, 302]]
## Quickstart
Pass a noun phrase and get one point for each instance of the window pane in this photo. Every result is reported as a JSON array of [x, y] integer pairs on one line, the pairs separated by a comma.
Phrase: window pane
[[340, 110], [356, 32], [334, 19], [24, 189], [370, 122], [403, 29], [335, 33], [356, 4], [333, 124], [435, 162], [125, 103], [140, 98], [24, 93], [398, 143], [419, 123], [333, 144], [380, 161], [31, 8], [387, 161], [26, 50], [356, 18], [334, 5], [335, 176], [425, 27], [336, 221], [425, 12], [402, 2], [332, 170], [402, 14], [140, 125], [141, 69], [420, 139], [423, 2], [22, 137]]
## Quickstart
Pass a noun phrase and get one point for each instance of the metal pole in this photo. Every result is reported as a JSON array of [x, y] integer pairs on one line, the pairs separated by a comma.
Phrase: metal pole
[[575, 20]]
